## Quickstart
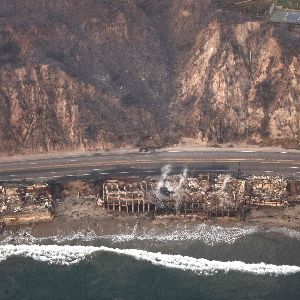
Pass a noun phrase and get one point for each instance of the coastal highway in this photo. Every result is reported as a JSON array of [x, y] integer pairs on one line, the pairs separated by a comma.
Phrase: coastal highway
[[133, 163]]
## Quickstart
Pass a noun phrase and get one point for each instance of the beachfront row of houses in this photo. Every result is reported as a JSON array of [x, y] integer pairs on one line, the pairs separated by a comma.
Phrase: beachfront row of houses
[[207, 194]]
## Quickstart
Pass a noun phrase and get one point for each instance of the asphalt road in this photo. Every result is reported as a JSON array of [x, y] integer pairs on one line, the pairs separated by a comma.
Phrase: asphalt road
[[107, 165]]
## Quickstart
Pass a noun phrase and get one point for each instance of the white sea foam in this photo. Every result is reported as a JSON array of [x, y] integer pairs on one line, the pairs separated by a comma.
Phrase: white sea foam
[[24, 236], [293, 234], [52, 254], [210, 235], [67, 255]]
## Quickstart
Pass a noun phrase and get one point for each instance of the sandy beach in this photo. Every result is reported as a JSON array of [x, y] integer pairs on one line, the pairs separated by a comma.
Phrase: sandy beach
[[83, 215]]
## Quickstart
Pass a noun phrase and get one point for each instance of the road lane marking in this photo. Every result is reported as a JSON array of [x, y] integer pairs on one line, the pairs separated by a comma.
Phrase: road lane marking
[[56, 176], [294, 167], [86, 174], [53, 172], [70, 175], [247, 151], [104, 173], [73, 160], [269, 171], [126, 162], [124, 172], [12, 175], [96, 170], [283, 152], [280, 162], [212, 170], [145, 162], [33, 163]]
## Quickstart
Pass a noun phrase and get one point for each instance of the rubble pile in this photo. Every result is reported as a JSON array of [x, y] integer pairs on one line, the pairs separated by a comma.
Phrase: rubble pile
[[204, 195], [228, 191], [25, 199], [293, 188], [266, 190], [219, 195]]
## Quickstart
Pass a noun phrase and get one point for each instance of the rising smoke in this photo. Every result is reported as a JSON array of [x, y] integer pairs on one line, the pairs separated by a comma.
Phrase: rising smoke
[[178, 188], [166, 187], [163, 181], [226, 180]]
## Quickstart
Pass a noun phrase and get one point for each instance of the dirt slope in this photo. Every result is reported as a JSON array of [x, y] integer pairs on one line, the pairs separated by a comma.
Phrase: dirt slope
[[81, 74]]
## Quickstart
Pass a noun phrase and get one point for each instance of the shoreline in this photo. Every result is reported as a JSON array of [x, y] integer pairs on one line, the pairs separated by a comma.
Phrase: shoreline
[[127, 225]]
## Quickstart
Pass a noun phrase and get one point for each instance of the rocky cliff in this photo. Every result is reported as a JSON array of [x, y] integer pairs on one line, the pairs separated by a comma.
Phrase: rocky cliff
[[81, 74]]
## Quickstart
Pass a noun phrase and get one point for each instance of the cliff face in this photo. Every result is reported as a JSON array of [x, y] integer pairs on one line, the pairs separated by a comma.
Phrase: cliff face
[[79, 74], [239, 80], [84, 74]]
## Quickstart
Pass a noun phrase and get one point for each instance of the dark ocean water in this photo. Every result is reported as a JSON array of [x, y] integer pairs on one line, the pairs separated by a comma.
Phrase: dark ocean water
[[31, 272]]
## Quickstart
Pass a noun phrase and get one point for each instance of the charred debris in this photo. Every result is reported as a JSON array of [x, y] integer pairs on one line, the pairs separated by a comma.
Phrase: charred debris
[[205, 196], [21, 204]]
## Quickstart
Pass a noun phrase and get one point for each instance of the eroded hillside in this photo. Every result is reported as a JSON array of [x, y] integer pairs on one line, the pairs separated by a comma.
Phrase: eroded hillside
[[84, 74]]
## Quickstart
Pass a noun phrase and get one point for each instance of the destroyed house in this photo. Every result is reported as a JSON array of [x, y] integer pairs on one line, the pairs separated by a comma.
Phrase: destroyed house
[[25, 199], [213, 196], [266, 191], [130, 195], [293, 186]]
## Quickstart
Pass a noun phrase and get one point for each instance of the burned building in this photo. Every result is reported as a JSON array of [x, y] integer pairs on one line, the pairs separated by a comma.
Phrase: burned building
[[293, 191], [175, 194], [266, 191], [130, 195], [222, 195], [27, 202]]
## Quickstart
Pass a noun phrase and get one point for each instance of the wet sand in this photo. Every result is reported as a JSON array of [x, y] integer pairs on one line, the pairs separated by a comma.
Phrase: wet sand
[[104, 223]]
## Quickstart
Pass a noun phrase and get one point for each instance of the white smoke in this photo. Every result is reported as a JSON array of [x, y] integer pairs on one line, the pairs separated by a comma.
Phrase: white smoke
[[163, 181], [225, 201], [178, 188], [171, 186], [182, 179], [68, 255], [226, 180]]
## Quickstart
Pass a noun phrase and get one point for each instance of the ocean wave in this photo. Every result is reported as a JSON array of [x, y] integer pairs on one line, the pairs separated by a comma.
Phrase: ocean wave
[[290, 233], [68, 255], [210, 235]]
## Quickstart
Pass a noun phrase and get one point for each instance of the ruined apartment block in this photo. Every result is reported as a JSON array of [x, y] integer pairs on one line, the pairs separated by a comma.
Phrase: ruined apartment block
[[132, 195], [210, 195]]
